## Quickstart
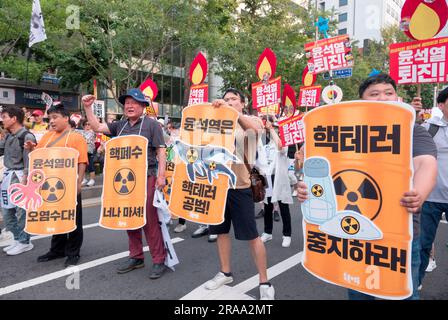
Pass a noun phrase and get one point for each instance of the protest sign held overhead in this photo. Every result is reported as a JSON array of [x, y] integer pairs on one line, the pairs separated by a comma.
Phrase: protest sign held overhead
[[49, 197], [150, 90], [266, 93], [329, 54], [289, 102], [198, 73], [419, 61], [309, 96], [125, 183], [291, 131], [358, 164], [202, 172]]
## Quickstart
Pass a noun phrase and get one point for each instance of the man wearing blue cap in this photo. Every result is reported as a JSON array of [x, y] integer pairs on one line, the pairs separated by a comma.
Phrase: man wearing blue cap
[[134, 103]]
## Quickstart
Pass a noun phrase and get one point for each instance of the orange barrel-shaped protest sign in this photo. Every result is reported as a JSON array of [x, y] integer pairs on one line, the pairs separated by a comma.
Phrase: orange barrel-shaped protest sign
[[54, 173], [123, 204], [204, 154], [357, 167]]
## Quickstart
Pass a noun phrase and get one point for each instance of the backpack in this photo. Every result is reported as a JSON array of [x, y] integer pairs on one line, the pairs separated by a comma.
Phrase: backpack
[[21, 138]]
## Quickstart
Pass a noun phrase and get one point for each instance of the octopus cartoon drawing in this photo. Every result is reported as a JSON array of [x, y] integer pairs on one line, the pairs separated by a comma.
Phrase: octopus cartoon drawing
[[27, 196]]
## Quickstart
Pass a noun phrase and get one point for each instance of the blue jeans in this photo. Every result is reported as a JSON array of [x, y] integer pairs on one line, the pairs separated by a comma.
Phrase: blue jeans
[[430, 217], [415, 264], [14, 220]]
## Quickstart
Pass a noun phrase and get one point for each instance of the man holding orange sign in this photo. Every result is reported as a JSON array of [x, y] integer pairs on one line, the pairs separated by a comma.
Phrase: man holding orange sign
[[382, 88], [134, 103]]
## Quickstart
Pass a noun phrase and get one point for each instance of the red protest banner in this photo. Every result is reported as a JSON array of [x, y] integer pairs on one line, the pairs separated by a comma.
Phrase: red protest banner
[[291, 130], [310, 96], [329, 54], [266, 96], [419, 61], [198, 94]]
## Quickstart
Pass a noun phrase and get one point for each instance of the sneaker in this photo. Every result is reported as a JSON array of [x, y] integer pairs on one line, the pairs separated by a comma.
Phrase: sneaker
[[91, 183], [130, 265], [260, 214], [20, 248], [276, 216], [267, 292], [419, 288], [157, 270], [180, 227], [212, 237], [218, 281], [71, 261], [201, 231], [84, 182], [6, 238], [265, 237], [49, 256], [431, 265], [12, 245], [286, 242]]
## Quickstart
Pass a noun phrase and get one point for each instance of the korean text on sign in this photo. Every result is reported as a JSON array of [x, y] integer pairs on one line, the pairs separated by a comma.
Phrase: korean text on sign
[[329, 54], [198, 94], [420, 61], [266, 95], [292, 131], [310, 96], [208, 125]]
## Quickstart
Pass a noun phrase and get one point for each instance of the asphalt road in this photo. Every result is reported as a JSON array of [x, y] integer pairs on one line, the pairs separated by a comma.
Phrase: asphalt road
[[103, 250]]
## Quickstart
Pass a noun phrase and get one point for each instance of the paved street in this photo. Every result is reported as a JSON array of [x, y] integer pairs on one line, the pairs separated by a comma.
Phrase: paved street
[[103, 250]]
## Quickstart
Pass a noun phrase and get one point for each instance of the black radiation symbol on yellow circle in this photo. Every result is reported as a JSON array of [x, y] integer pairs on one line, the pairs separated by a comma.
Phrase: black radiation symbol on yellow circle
[[52, 190], [124, 181], [317, 190], [350, 225], [192, 155], [212, 165], [358, 191], [36, 177]]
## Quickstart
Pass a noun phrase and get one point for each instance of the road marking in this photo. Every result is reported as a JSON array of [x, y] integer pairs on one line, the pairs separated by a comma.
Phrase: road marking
[[87, 226], [69, 271], [238, 292]]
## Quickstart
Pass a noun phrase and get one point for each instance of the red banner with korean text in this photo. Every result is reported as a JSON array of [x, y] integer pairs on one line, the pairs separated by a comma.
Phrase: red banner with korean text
[[291, 131], [358, 165], [204, 153], [310, 96], [123, 204], [266, 97], [54, 173], [198, 94], [419, 61], [329, 54]]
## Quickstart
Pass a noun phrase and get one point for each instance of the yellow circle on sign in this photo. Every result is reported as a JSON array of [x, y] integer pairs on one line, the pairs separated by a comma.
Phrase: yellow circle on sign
[[350, 225], [317, 190]]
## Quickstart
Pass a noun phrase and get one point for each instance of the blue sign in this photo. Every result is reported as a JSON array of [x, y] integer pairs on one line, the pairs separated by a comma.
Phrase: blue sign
[[338, 74]]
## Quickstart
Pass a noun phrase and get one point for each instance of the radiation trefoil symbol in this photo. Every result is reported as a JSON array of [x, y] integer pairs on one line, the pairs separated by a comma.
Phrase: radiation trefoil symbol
[[124, 181], [358, 193], [52, 190]]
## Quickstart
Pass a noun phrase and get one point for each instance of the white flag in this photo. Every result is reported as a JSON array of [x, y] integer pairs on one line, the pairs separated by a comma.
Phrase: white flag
[[37, 29]]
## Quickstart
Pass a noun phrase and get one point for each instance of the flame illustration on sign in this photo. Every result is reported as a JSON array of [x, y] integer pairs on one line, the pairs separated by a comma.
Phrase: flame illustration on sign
[[308, 78], [198, 69], [267, 65], [289, 102], [149, 89], [423, 19]]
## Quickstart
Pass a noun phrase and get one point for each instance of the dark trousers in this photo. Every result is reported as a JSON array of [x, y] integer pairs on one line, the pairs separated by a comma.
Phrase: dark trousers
[[430, 217], [70, 244], [284, 212]]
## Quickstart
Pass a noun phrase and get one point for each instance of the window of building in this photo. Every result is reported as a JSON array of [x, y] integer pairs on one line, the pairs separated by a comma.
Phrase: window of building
[[342, 31], [343, 17], [322, 6], [342, 3]]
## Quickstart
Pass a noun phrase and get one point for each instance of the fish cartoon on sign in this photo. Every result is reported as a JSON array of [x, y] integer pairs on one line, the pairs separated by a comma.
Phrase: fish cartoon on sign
[[206, 161]]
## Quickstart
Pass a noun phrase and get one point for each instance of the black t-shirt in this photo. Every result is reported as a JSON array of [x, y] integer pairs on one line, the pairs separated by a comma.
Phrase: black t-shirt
[[422, 144], [150, 129]]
